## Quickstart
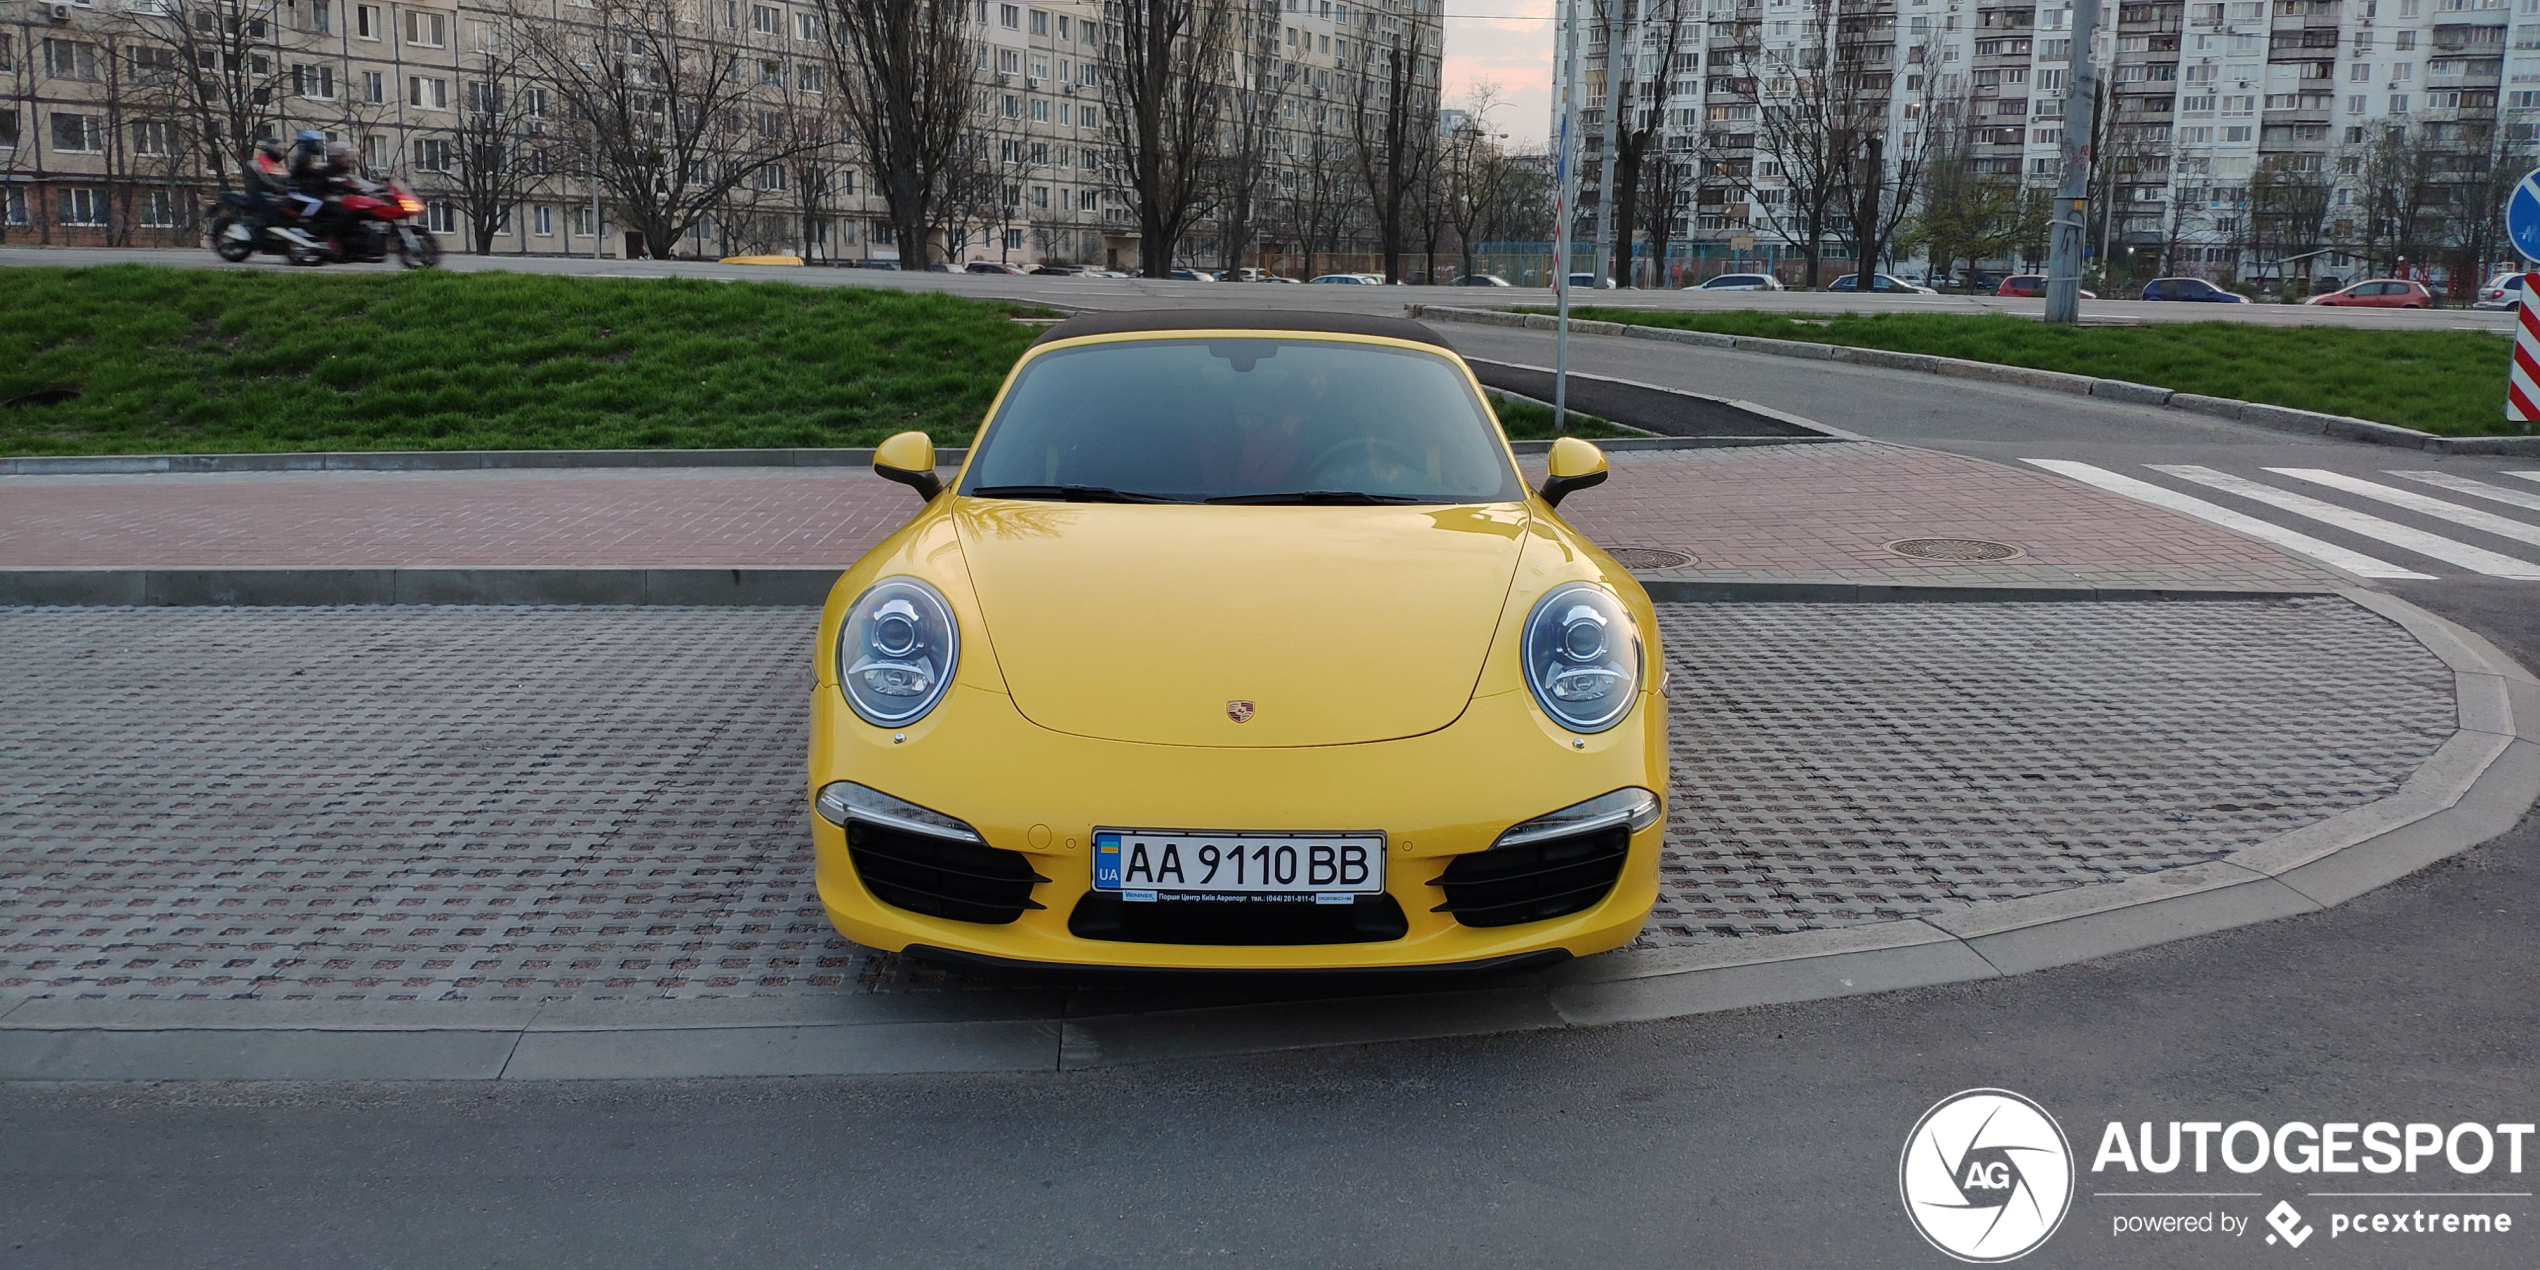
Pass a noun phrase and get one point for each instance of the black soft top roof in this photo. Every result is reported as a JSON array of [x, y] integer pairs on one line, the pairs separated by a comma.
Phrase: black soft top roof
[[1139, 320]]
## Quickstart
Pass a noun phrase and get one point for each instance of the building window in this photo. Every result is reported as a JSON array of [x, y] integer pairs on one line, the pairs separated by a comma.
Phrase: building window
[[374, 87], [1040, 111], [772, 177], [427, 30], [586, 221], [375, 151], [1014, 240], [154, 137], [807, 26], [1040, 22], [366, 24], [322, 17], [77, 133], [158, 209], [807, 77], [83, 207], [427, 94], [2398, 103], [13, 205], [765, 20], [313, 81], [70, 59], [542, 219], [441, 218], [432, 154], [1009, 16]]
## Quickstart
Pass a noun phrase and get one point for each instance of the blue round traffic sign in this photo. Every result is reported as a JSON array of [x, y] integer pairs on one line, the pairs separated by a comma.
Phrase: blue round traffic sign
[[2522, 216]]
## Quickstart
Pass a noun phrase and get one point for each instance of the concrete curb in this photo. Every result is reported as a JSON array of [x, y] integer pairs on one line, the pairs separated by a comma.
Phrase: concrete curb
[[756, 587], [2278, 418], [656, 460], [2475, 786]]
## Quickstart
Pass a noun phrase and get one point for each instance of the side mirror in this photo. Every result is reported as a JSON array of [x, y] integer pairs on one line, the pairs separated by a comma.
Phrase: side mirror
[[909, 458], [1575, 465]]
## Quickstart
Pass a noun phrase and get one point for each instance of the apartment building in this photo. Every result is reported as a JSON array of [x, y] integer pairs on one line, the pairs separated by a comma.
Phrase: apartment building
[[2200, 101]]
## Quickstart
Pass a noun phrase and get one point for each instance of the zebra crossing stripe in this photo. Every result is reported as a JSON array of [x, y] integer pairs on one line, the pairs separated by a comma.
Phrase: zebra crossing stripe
[[2486, 522], [2474, 559], [2528, 476], [2475, 489], [2329, 553]]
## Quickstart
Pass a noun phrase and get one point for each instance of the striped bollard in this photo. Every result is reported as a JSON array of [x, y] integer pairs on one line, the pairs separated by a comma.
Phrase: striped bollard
[[2522, 384]]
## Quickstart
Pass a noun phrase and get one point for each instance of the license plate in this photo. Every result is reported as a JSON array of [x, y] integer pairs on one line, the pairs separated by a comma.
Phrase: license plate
[[1148, 864]]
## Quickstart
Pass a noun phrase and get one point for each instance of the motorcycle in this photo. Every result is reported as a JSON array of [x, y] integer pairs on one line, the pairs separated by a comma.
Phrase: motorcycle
[[371, 220]]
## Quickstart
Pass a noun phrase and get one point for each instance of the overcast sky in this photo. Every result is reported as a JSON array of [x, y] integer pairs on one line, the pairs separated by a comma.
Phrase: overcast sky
[[1515, 55]]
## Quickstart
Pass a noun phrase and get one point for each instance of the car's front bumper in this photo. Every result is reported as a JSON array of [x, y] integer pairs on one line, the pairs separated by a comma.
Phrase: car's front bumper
[[1041, 793]]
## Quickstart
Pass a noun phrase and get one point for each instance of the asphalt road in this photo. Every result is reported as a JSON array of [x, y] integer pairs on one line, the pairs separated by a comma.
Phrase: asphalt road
[[1764, 1137], [1133, 293]]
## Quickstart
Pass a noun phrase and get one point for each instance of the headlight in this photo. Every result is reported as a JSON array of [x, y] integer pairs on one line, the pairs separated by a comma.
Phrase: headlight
[[1634, 808], [896, 651], [1582, 657], [841, 801]]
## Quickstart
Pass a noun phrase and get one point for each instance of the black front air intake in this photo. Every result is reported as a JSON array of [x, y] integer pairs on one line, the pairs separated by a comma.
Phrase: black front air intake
[[957, 880], [1535, 882], [1371, 919]]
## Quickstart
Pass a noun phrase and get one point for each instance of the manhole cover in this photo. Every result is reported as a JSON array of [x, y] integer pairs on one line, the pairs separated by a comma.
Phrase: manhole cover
[[1648, 557], [1953, 549]]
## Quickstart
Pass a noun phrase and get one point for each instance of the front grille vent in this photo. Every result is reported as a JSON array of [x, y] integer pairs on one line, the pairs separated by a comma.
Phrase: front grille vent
[[1535, 882], [1371, 919], [957, 880]]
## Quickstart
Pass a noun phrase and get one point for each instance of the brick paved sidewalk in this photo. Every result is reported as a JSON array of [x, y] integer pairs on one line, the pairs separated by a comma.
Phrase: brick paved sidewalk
[[1813, 512]]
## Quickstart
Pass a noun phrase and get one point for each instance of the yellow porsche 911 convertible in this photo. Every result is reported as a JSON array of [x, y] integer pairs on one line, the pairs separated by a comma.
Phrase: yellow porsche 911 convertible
[[1238, 643]]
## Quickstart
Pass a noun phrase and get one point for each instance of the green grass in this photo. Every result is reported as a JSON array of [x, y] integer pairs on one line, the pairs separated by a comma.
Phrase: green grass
[[205, 361], [1526, 421], [2451, 382]]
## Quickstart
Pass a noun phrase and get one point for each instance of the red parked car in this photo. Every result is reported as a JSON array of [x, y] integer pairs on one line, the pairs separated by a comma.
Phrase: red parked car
[[2030, 285], [2380, 293]]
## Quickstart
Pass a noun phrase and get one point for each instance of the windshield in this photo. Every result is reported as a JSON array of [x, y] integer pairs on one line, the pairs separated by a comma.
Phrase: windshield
[[1250, 420]]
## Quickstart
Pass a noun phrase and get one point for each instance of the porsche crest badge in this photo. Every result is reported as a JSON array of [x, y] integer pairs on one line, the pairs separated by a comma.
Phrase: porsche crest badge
[[1239, 711]]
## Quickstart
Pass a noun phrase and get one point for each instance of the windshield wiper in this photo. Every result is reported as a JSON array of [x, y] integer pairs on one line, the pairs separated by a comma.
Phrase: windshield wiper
[[1328, 497], [1069, 493]]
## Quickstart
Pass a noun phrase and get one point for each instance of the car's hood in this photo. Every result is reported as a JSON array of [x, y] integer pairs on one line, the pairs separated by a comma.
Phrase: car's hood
[[1150, 623]]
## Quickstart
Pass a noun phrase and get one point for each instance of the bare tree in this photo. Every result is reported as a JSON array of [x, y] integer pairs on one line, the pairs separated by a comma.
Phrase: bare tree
[[228, 80], [1635, 92], [1393, 147], [2288, 208], [1809, 120], [497, 152], [668, 104], [1161, 107], [1252, 130], [907, 77], [1664, 198]]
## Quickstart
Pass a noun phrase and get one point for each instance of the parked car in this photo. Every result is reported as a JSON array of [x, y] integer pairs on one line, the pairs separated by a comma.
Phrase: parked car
[[1590, 281], [1481, 280], [1741, 282], [995, 267], [997, 777], [877, 264], [1883, 284], [2031, 285], [1351, 280], [2379, 293], [1192, 275], [2190, 290], [1280, 277], [2504, 291], [1060, 271]]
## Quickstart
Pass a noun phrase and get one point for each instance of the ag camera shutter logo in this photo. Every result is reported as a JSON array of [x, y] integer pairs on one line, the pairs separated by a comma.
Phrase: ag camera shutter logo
[[1986, 1175]]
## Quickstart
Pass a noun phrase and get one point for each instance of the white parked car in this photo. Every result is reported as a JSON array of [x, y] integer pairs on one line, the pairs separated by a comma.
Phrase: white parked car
[[1353, 279], [1741, 282], [2504, 291]]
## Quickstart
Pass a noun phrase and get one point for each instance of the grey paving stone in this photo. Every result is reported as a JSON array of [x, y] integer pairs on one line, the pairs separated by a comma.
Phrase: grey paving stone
[[439, 809]]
